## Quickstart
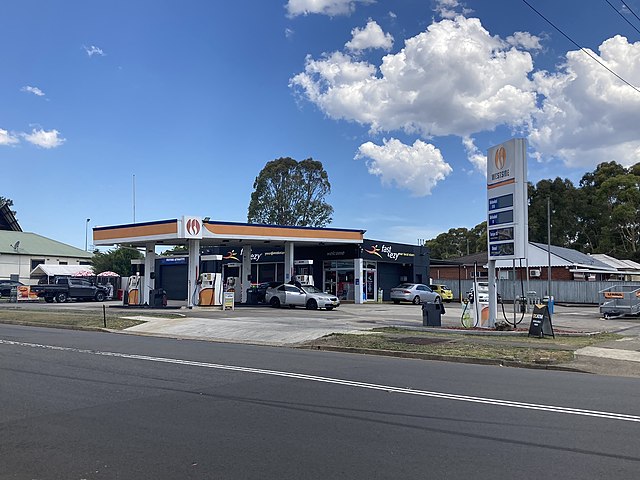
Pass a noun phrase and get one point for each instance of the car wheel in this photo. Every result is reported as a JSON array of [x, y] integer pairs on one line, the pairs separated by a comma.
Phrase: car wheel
[[99, 296], [397, 302], [275, 302], [61, 297], [48, 299], [312, 304], [329, 308], [416, 300]]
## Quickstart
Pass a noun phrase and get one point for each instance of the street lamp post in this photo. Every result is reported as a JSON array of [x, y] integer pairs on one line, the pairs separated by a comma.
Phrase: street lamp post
[[86, 235]]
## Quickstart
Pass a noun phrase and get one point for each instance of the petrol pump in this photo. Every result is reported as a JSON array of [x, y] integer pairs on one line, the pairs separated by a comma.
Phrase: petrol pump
[[209, 287], [133, 294], [135, 284], [210, 293], [303, 271], [232, 280]]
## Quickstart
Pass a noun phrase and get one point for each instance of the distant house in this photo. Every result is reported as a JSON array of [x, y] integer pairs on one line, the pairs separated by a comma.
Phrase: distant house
[[626, 270], [566, 265], [21, 252]]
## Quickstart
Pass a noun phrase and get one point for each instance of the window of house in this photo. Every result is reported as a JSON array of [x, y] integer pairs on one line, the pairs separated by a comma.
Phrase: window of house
[[35, 263]]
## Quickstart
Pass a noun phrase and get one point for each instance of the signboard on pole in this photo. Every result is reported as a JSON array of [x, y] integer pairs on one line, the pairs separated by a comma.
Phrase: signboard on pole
[[507, 212]]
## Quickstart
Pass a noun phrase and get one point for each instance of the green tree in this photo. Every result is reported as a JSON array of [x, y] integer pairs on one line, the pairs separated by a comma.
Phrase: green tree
[[458, 242], [9, 203], [620, 195], [176, 250], [117, 260], [288, 192], [595, 231], [565, 212]]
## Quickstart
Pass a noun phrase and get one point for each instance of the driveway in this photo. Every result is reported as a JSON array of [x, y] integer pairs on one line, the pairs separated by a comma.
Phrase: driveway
[[266, 325]]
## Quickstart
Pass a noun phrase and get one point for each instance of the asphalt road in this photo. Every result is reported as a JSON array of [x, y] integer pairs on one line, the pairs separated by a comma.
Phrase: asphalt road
[[107, 406]]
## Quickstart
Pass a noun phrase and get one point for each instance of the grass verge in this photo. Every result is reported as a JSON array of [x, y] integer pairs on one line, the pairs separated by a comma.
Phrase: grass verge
[[508, 348], [68, 318]]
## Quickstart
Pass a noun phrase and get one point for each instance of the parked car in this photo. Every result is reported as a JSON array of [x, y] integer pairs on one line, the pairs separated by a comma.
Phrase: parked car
[[482, 292], [65, 288], [415, 293], [7, 285], [445, 292], [261, 290], [304, 296]]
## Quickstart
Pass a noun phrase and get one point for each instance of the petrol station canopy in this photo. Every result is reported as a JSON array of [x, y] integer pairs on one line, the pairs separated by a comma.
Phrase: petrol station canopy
[[210, 233]]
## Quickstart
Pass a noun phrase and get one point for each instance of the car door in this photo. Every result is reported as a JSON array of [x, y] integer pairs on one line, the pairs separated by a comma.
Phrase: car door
[[426, 294], [294, 295]]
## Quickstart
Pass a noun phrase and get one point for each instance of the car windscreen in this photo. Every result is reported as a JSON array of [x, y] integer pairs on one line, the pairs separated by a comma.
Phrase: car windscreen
[[311, 289], [407, 286]]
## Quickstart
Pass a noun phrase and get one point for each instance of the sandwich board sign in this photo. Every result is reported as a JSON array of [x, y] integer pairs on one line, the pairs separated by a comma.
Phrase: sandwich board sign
[[541, 322]]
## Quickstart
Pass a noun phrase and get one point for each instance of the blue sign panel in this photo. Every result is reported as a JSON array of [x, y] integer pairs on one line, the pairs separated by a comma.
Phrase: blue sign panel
[[501, 234], [173, 261], [501, 217], [503, 201], [501, 249]]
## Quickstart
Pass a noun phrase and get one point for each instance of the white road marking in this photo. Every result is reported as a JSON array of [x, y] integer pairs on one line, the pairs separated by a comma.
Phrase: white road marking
[[348, 383]]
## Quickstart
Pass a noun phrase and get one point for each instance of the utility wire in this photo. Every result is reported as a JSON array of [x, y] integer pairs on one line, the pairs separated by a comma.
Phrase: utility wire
[[623, 17], [629, 8], [593, 57]]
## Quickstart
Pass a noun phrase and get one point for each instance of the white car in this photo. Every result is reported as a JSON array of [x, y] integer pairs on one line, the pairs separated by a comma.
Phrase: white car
[[483, 292], [306, 296]]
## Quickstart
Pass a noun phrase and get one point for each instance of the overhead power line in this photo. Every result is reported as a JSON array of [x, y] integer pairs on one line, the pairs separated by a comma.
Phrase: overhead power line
[[629, 8], [623, 17], [593, 57]]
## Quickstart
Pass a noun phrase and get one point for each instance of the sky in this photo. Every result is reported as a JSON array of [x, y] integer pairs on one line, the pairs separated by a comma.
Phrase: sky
[[145, 110]]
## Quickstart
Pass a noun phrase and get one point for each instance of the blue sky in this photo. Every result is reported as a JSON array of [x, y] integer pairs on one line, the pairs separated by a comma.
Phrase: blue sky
[[399, 100]]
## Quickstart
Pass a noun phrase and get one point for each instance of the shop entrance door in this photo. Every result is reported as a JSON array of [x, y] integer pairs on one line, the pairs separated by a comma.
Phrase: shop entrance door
[[371, 284]]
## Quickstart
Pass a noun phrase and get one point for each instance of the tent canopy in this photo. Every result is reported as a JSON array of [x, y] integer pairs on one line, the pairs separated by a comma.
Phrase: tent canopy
[[62, 270]]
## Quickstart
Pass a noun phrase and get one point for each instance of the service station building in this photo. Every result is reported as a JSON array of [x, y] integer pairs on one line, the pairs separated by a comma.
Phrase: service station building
[[339, 261]]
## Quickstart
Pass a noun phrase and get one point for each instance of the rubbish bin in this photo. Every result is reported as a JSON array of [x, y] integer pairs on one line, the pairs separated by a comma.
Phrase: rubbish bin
[[252, 296], [431, 314], [548, 301], [158, 297]]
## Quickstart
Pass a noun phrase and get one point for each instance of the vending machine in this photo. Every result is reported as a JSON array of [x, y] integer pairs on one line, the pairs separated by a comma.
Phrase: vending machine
[[211, 293]]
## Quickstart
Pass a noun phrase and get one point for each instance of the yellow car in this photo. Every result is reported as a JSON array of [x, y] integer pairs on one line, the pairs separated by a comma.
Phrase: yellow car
[[445, 292]]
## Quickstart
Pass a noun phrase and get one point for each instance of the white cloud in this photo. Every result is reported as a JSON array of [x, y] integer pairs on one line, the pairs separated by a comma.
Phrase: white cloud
[[324, 7], [454, 78], [288, 32], [474, 155], [451, 8], [417, 168], [93, 50], [44, 139], [7, 139], [589, 116], [370, 36], [524, 40], [34, 90]]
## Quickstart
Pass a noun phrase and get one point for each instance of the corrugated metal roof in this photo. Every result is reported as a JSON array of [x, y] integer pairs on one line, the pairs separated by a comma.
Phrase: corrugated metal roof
[[573, 256], [617, 263], [34, 244]]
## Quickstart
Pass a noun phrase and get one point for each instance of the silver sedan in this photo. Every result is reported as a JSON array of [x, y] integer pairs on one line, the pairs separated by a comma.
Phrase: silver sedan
[[304, 296], [415, 293]]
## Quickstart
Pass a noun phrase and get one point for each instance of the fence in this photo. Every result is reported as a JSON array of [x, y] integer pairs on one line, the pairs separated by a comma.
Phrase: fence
[[562, 291]]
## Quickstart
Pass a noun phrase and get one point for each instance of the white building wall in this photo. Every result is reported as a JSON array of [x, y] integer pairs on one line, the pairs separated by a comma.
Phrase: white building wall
[[21, 265]]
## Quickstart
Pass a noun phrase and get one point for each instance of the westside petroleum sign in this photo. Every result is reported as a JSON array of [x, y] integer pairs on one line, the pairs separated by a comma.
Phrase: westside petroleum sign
[[507, 214]]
